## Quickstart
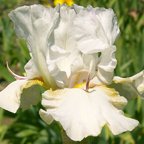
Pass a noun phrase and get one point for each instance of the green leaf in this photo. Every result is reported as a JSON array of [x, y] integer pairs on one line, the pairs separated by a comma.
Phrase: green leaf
[[127, 137], [26, 133]]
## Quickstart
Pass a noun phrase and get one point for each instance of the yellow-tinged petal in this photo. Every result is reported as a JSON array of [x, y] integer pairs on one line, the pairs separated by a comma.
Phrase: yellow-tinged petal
[[34, 82], [10, 97], [83, 114], [114, 97]]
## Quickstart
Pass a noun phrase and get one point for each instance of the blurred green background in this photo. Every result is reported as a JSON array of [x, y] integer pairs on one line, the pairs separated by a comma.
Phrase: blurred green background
[[26, 127]]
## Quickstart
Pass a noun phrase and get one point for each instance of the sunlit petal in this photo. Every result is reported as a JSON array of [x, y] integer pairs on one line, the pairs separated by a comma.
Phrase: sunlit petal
[[10, 96], [107, 65], [35, 24], [138, 81], [96, 29], [84, 113], [88, 33], [20, 93], [108, 20], [31, 70]]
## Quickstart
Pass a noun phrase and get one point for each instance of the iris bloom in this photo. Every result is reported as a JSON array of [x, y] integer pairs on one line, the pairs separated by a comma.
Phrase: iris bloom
[[73, 57]]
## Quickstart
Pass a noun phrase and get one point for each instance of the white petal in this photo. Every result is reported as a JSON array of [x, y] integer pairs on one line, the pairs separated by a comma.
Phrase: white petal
[[71, 63], [35, 24], [90, 63], [107, 65], [62, 68], [96, 29], [31, 70], [63, 58], [118, 101], [115, 119], [84, 114], [59, 76], [10, 96], [108, 20], [138, 81], [77, 8], [72, 108], [47, 118], [63, 34], [89, 34], [130, 87]]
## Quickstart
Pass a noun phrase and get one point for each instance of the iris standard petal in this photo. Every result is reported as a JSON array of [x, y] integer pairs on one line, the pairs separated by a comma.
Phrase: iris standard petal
[[107, 64], [96, 28], [63, 56], [63, 34], [108, 20], [115, 118], [89, 33], [10, 96], [83, 113]]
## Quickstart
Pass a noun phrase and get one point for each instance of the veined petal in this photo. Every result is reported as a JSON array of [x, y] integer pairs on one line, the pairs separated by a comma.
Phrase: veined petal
[[10, 96], [107, 65], [130, 87], [83, 113]]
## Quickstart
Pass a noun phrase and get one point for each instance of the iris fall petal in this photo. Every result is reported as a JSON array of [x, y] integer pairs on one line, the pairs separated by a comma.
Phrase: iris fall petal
[[10, 96], [83, 114]]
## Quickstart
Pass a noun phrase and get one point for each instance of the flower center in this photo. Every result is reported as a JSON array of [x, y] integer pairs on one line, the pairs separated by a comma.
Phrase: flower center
[[84, 85], [80, 85]]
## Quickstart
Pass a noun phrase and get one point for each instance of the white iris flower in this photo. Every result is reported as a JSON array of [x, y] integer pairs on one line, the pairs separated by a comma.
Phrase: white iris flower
[[73, 56]]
